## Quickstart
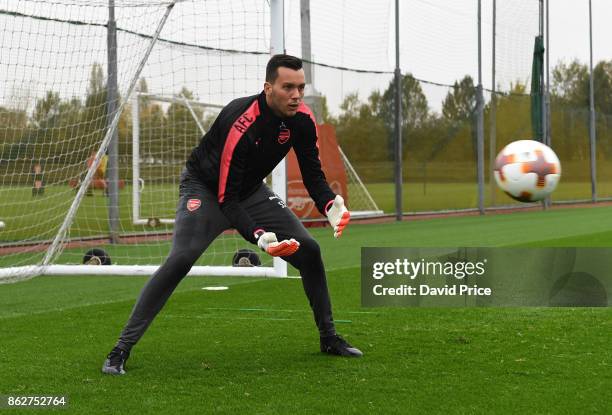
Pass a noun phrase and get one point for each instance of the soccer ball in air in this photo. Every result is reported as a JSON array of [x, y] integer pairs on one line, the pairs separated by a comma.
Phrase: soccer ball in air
[[527, 170]]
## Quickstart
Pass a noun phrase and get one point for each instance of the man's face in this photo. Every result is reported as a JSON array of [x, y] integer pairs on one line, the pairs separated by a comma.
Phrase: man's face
[[285, 94]]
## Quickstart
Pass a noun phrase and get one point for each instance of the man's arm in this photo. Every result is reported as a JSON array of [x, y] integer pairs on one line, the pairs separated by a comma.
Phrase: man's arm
[[307, 153], [327, 202]]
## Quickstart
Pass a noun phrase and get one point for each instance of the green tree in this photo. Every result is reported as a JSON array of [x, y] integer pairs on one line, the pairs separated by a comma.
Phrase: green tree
[[460, 102], [363, 136], [570, 84], [47, 109], [326, 116], [14, 126], [182, 132], [93, 117], [459, 113], [415, 109], [570, 112], [602, 87]]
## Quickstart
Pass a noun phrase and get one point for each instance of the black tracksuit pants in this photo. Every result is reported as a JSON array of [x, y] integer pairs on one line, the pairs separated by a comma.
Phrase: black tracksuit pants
[[196, 229]]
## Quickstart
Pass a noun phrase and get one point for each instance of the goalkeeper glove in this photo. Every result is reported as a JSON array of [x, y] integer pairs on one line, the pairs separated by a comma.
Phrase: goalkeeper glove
[[338, 216], [267, 242]]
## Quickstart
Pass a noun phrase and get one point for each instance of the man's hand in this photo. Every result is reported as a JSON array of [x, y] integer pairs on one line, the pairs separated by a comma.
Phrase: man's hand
[[268, 242], [338, 216]]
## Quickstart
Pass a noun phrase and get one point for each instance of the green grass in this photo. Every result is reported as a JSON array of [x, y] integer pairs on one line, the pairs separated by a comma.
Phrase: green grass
[[39, 218], [253, 348], [419, 197]]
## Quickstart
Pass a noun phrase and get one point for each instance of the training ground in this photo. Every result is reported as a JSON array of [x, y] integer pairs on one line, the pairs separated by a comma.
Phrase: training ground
[[253, 348]]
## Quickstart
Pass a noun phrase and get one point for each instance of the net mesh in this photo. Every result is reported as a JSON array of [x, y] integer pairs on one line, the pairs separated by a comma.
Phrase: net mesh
[[54, 102]]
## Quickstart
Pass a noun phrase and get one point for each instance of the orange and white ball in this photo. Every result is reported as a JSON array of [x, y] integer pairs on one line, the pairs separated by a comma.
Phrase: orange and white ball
[[527, 170]]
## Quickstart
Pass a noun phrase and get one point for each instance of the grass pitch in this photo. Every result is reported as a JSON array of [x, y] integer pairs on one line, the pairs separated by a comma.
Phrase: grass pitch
[[253, 348]]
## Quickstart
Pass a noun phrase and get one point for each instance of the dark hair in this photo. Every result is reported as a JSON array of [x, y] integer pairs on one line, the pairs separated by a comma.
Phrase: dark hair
[[277, 61]]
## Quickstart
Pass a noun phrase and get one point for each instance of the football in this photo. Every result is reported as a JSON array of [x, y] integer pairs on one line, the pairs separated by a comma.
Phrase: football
[[527, 170]]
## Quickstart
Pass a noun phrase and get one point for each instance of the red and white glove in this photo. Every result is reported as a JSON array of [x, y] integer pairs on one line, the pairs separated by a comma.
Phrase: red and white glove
[[338, 216], [267, 242]]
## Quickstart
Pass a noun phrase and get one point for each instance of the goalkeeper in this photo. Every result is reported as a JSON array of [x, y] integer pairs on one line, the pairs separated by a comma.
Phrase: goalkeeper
[[222, 187]]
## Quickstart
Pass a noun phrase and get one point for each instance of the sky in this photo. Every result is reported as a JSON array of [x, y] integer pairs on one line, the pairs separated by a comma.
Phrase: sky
[[439, 39], [438, 44]]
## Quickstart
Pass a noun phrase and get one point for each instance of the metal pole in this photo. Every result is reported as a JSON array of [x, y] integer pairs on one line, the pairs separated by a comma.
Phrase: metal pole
[[592, 131], [113, 147], [277, 46], [135, 157], [493, 115], [480, 120], [311, 97], [277, 29], [547, 74], [546, 202], [306, 50], [279, 174], [398, 122], [543, 87]]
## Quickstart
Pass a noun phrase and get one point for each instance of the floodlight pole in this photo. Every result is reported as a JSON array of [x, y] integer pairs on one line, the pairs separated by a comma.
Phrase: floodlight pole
[[592, 131], [398, 122], [111, 108], [480, 120]]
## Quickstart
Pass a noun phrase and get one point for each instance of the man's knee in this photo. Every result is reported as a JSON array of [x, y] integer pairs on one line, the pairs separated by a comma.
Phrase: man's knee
[[310, 246], [308, 254], [179, 263]]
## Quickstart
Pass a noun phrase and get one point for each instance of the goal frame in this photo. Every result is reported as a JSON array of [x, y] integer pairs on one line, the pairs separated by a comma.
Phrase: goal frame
[[48, 266]]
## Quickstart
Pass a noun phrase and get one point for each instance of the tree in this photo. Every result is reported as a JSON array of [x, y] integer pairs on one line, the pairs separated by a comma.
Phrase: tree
[[47, 109], [570, 84], [460, 103], [96, 91], [326, 116], [570, 110], [362, 135], [14, 124], [458, 109], [602, 87], [93, 116], [415, 110], [182, 130]]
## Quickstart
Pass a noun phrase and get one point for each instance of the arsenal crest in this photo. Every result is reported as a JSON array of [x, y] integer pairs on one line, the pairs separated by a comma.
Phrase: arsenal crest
[[193, 204], [283, 134]]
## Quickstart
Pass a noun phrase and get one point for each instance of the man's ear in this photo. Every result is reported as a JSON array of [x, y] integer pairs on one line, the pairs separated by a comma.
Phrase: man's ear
[[267, 87]]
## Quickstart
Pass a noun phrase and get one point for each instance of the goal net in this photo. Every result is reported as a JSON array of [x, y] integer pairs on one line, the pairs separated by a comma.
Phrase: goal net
[[56, 127]]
